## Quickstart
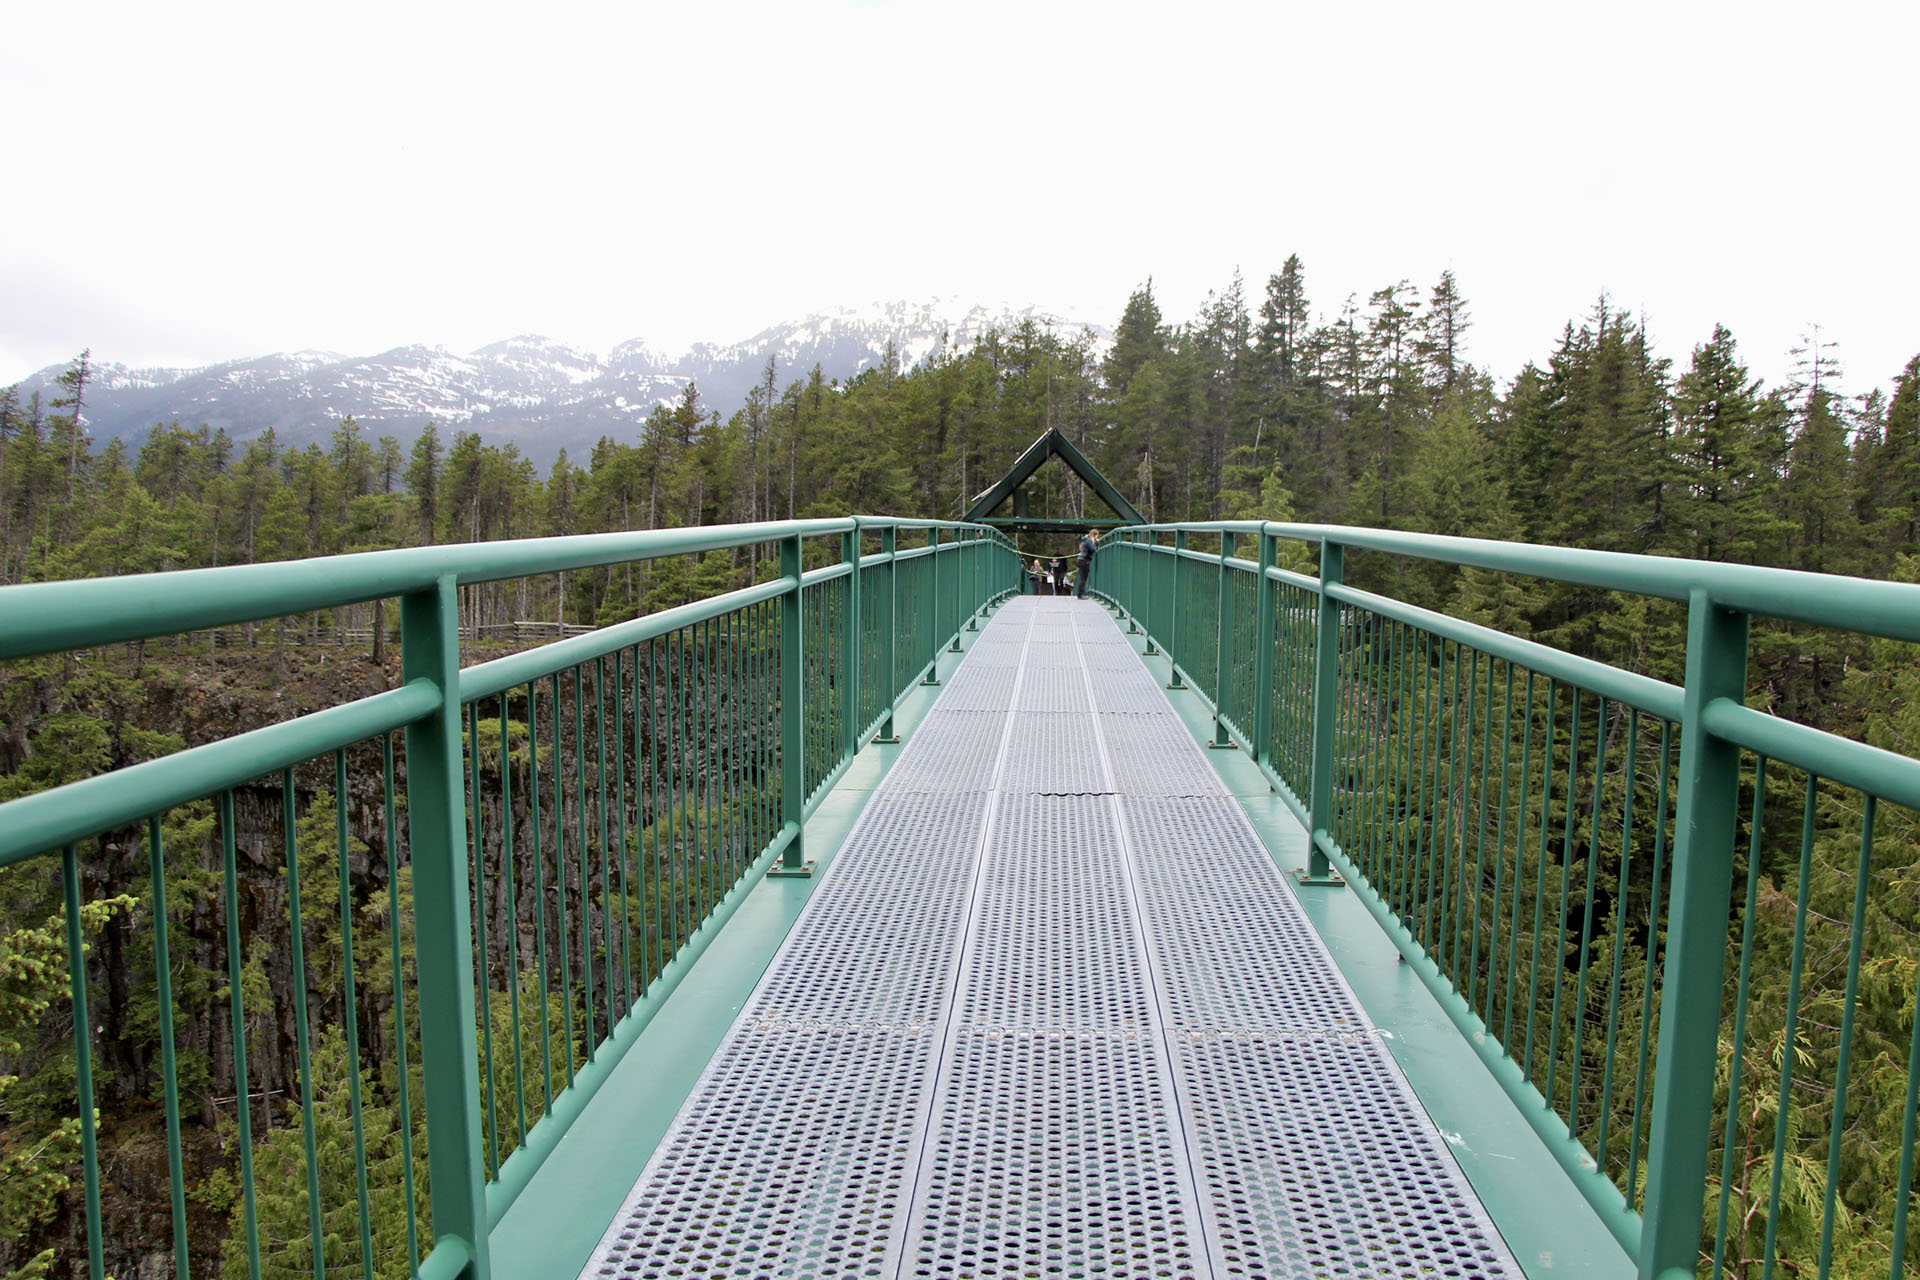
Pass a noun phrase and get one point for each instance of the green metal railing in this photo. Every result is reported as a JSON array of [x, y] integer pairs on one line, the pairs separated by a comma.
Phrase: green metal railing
[[580, 820], [1573, 859]]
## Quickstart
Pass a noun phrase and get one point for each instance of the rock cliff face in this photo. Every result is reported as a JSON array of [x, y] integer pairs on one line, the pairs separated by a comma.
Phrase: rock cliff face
[[542, 395]]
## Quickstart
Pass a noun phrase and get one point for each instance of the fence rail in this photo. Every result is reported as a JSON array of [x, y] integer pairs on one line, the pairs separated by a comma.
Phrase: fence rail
[[1587, 867], [580, 819]]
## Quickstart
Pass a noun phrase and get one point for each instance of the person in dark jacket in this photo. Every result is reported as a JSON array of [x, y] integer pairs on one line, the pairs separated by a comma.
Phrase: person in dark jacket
[[1085, 568], [1059, 575]]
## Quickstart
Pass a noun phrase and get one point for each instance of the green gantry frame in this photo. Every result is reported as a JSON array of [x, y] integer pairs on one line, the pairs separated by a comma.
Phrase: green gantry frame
[[1050, 445]]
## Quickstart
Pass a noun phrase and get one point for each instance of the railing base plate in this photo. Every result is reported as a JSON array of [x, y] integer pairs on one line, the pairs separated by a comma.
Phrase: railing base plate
[[802, 872], [1332, 879]]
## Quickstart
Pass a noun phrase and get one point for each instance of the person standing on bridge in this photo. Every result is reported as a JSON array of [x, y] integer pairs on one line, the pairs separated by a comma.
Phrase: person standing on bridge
[[1085, 568]]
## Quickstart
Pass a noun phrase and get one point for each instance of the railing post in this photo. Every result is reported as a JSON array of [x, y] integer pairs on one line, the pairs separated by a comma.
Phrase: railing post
[[974, 546], [1223, 656], [1173, 624], [793, 712], [851, 630], [1147, 594], [1326, 701], [932, 608], [959, 568], [890, 548], [1132, 605], [1263, 597], [443, 926], [1694, 969]]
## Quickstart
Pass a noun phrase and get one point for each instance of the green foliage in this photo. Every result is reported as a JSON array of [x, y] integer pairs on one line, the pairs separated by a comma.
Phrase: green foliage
[[39, 1132], [281, 1182]]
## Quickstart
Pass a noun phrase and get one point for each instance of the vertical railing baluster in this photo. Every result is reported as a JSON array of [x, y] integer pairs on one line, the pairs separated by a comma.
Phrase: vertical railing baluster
[[1649, 969], [436, 820], [390, 802], [1843, 1066], [1617, 911], [582, 829], [236, 1006], [352, 1007], [540, 887], [1559, 956], [1736, 1063], [1540, 871], [484, 985], [1586, 916], [1790, 1036], [83, 1057], [302, 1046], [608, 949], [563, 962], [513, 918], [169, 1073]]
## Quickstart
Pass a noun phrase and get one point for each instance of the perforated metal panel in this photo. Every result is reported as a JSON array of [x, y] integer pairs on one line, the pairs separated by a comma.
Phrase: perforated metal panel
[[792, 1158], [1315, 1159], [1052, 1012], [1053, 1154]]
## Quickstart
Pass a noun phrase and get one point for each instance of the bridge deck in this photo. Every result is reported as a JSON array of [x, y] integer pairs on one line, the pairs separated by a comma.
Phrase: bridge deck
[[1052, 1012]]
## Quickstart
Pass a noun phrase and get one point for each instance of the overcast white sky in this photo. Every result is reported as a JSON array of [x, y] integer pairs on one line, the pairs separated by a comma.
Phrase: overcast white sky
[[192, 182]]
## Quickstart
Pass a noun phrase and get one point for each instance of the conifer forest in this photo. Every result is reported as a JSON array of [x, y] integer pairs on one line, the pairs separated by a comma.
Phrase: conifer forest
[[1258, 407]]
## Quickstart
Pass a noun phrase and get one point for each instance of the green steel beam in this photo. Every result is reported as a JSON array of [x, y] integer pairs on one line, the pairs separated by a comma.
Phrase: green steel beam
[[1223, 655], [1695, 964], [1261, 748], [443, 928], [66, 815], [55, 617], [1052, 444], [1888, 609], [1326, 676], [890, 631], [793, 713]]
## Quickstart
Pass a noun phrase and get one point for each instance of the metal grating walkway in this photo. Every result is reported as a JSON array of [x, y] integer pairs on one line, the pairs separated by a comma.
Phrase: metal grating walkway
[[1052, 1012]]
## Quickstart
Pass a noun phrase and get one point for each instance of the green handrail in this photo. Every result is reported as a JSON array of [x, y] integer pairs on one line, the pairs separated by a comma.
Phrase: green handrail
[[664, 764], [1506, 882]]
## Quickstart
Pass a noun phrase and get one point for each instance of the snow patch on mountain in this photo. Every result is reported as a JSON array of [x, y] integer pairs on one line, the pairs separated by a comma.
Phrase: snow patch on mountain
[[540, 393]]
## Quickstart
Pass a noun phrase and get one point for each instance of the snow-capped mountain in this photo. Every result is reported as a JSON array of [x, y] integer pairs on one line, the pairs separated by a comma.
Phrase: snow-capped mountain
[[542, 395]]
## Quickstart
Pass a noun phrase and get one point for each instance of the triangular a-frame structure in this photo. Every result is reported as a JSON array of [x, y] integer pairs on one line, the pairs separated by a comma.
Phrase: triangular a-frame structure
[[1050, 445]]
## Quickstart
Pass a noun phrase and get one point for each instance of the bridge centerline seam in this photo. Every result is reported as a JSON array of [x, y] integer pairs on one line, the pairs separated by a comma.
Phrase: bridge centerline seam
[[902, 1228], [1198, 1222]]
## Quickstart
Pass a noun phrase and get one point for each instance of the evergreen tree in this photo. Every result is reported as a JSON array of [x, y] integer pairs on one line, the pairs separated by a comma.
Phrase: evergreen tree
[[423, 482], [1894, 475], [1138, 339], [1443, 331], [1723, 455]]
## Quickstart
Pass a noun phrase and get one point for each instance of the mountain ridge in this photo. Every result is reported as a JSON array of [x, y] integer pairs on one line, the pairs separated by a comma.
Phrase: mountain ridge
[[542, 394]]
